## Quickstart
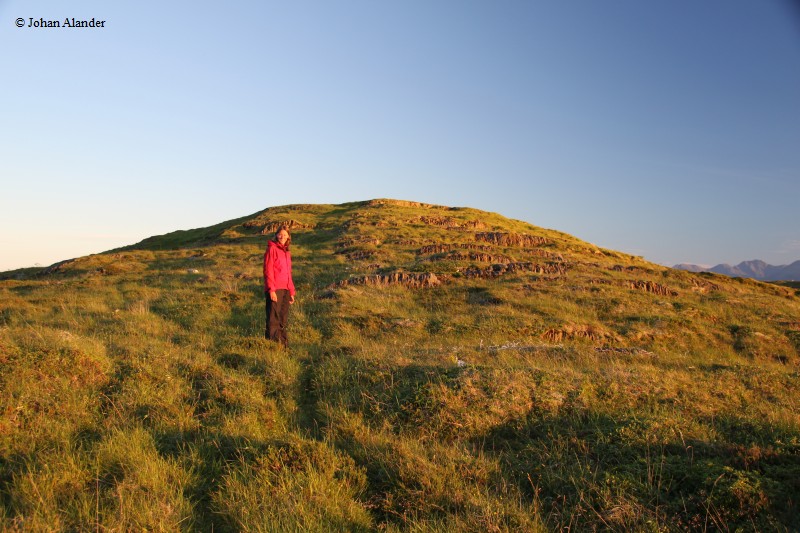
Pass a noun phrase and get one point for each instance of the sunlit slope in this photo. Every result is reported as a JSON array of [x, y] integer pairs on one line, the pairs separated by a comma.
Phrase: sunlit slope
[[450, 369], [494, 279]]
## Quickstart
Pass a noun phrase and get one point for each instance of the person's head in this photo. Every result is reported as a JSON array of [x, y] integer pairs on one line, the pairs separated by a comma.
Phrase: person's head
[[282, 236]]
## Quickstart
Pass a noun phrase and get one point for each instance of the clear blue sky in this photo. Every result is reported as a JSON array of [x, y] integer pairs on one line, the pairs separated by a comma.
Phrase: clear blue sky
[[667, 129]]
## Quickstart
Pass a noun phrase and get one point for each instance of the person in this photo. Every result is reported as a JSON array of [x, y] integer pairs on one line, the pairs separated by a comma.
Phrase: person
[[278, 286]]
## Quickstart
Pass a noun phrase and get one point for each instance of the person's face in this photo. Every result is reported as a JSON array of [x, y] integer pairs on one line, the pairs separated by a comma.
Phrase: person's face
[[283, 236]]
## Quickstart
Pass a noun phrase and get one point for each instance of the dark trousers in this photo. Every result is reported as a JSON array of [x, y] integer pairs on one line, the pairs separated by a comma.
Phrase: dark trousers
[[277, 315]]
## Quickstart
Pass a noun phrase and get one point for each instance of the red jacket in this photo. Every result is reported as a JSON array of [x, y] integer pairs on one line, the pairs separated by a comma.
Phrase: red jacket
[[278, 268]]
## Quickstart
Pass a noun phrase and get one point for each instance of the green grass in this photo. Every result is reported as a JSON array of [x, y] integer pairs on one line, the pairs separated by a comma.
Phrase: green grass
[[137, 391]]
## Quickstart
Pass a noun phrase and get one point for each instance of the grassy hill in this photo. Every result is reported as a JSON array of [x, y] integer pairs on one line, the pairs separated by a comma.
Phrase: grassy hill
[[450, 370]]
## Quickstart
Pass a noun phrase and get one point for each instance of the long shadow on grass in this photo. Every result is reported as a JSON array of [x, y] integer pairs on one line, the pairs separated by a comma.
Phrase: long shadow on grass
[[249, 317], [587, 470], [388, 399], [307, 419], [399, 395], [11, 467], [229, 468], [215, 452]]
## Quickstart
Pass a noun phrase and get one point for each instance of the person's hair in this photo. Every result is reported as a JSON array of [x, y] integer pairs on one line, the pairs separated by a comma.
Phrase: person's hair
[[289, 233]]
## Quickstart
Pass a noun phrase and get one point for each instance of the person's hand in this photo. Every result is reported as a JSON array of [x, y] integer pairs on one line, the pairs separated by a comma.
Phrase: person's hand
[[291, 299], [273, 296]]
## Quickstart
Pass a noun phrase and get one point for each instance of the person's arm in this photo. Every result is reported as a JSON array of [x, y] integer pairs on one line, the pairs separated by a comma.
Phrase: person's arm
[[291, 280], [269, 274]]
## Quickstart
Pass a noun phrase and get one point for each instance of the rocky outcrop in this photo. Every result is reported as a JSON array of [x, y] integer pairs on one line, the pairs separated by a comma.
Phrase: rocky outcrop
[[630, 269], [52, 269], [448, 222], [273, 226], [512, 239], [502, 269], [360, 240], [398, 203], [442, 248], [471, 256], [651, 287], [596, 281], [412, 280], [360, 255], [703, 286], [637, 284], [570, 332]]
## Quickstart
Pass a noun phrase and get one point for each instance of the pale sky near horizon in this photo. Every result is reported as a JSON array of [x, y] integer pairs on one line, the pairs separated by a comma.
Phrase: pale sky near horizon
[[669, 130]]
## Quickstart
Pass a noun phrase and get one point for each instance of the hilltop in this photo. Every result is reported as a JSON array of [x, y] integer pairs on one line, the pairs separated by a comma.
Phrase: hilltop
[[451, 369]]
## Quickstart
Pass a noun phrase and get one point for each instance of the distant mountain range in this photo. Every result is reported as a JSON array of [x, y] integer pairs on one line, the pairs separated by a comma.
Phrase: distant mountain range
[[755, 269]]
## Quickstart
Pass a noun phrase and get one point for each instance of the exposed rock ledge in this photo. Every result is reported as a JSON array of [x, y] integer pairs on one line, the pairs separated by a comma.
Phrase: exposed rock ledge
[[441, 248], [398, 203], [573, 331], [494, 271], [272, 227], [448, 222], [412, 280], [471, 256], [651, 287], [512, 239]]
